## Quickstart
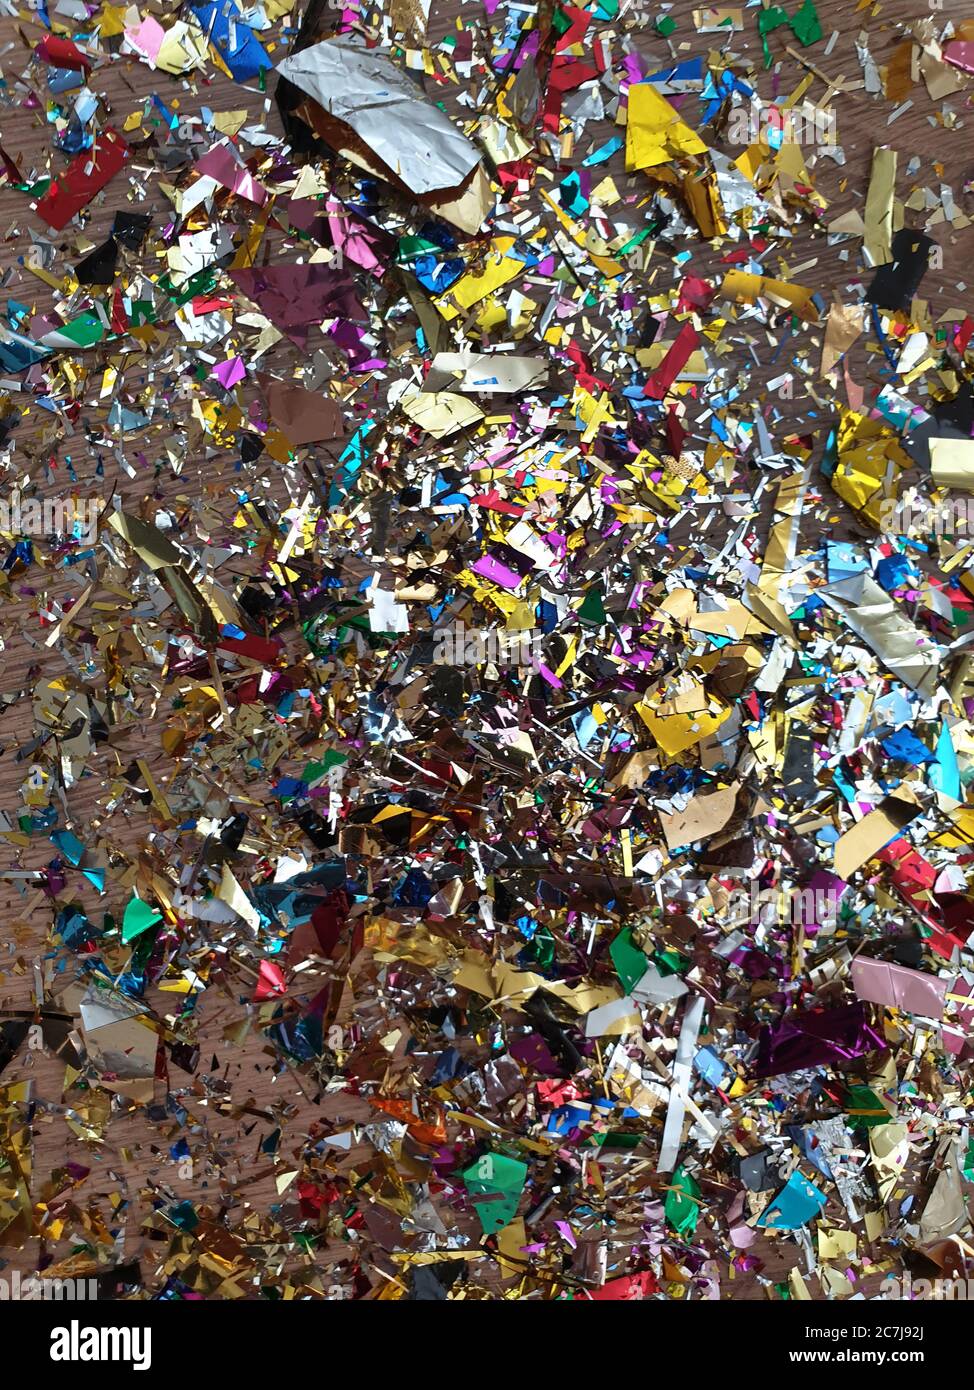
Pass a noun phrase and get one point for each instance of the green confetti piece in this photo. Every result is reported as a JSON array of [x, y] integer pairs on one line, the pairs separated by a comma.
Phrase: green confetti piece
[[314, 771], [864, 1107], [768, 21], [592, 609], [615, 1139], [542, 949], [805, 26], [143, 311], [968, 1165], [412, 247], [200, 283], [635, 241], [669, 962], [682, 1206], [139, 917], [497, 1181], [630, 962], [85, 331]]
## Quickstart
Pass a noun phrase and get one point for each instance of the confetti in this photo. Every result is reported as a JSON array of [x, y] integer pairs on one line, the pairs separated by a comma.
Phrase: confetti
[[488, 602]]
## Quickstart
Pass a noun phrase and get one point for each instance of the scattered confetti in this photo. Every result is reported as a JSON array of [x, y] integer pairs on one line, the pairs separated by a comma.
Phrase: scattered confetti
[[488, 603]]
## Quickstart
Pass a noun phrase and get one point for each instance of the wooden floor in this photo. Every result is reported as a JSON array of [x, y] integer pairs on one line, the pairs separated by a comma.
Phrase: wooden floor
[[241, 1092]]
